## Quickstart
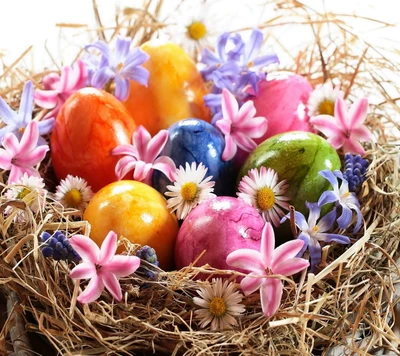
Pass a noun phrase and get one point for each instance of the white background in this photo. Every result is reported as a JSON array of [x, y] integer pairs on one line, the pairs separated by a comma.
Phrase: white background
[[34, 22]]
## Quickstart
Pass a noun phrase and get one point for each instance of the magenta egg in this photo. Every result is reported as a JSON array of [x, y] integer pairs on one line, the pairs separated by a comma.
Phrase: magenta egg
[[282, 99], [218, 226]]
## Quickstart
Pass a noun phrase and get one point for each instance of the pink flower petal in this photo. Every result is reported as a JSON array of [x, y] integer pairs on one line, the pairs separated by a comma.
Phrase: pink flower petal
[[30, 137], [15, 174], [122, 266], [86, 248], [5, 159], [108, 248], [270, 296], [230, 106], [358, 112], [230, 148], [65, 74], [92, 291], [166, 165], [285, 251], [124, 166], [243, 141], [51, 81], [327, 125], [361, 133], [81, 75], [267, 244], [246, 112], [156, 145], [254, 128], [250, 283], [341, 114], [125, 150], [142, 169], [224, 125], [10, 143], [246, 259], [46, 99], [32, 158], [140, 140], [336, 141], [83, 271], [111, 283], [353, 147], [291, 266]]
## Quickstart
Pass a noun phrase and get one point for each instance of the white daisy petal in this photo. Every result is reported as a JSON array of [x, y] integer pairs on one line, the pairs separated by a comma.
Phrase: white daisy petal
[[263, 190], [220, 304]]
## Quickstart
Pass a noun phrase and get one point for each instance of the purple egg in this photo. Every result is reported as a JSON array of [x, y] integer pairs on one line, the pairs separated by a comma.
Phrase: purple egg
[[219, 226]]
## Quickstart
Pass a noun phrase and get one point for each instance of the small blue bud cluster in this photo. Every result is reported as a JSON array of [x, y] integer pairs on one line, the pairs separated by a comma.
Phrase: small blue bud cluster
[[148, 254], [58, 247], [355, 168]]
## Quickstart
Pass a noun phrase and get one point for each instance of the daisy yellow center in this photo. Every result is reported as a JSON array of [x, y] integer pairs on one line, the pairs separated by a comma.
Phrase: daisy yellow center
[[189, 191], [327, 107], [217, 306], [23, 193], [265, 198], [197, 30], [73, 198]]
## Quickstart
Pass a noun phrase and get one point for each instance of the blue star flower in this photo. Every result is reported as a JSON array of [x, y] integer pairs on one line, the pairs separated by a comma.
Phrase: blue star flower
[[312, 232], [342, 197], [17, 122], [121, 65]]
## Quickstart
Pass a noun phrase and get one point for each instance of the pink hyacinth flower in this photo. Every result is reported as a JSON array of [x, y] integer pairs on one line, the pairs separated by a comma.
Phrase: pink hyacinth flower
[[239, 126], [142, 156], [345, 130], [266, 265], [57, 89], [102, 266], [22, 156]]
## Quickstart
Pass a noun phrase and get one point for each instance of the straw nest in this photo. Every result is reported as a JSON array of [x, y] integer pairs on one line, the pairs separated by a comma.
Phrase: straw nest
[[350, 303]]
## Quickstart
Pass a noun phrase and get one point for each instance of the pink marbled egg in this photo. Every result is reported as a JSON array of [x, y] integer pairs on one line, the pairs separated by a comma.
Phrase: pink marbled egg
[[219, 226], [282, 99]]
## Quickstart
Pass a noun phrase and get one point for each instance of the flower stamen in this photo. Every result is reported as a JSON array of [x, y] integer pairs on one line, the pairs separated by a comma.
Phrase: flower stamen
[[196, 30], [73, 198], [189, 191], [265, 198], [217, 306]]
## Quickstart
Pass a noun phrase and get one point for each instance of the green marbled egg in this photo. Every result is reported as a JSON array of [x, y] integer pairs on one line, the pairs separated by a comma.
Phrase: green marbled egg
[[296, 156]]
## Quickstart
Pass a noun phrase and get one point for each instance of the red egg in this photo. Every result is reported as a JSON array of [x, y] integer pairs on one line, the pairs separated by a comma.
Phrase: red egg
[[89, 126], [282, 99]]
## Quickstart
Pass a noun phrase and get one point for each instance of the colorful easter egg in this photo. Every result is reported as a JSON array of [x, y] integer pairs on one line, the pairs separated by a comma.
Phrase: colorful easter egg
[[136, 211], [175, 89], [297, 157], [89, 126], [218, 226], [282, 99], [194, 140]]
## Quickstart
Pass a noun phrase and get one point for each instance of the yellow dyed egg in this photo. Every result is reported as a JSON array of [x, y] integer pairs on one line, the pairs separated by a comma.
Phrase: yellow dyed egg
[[175, 89], [136, 211]]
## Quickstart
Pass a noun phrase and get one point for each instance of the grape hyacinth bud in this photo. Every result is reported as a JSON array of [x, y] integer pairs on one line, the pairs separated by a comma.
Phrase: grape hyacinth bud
[[58, 247], [148, 254], [355, 168]]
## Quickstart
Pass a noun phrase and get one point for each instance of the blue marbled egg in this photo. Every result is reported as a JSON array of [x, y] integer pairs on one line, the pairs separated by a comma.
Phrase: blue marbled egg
[[194, 140]]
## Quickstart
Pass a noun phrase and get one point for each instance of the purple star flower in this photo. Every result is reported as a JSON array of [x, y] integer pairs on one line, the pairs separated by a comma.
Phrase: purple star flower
[[120, 65], [341, 196], [312, 232], [16, 123]]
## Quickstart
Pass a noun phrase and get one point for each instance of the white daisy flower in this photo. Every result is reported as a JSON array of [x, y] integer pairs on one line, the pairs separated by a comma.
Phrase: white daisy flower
[[189, 189], [220, 304], [262, 190], [322, 99], [30, 189], [73, 192], [195, 24]]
